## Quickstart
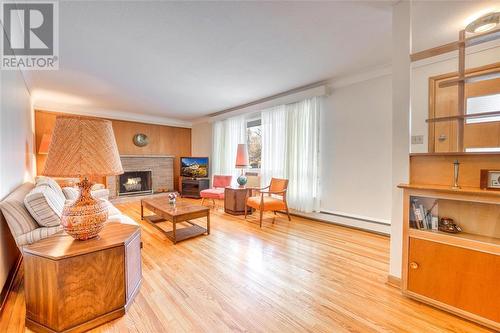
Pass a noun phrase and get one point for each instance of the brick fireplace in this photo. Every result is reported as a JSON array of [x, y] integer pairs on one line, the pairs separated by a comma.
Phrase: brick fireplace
[[143, 174]]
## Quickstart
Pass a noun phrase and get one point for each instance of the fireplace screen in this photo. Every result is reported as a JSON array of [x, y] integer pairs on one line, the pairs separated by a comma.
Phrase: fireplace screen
[[135, 182]]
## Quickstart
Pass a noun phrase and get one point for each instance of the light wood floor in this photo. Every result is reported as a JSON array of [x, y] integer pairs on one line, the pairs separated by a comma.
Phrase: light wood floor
[[299, 276]]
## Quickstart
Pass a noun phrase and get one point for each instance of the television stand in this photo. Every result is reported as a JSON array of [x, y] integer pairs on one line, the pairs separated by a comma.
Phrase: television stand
[[191, 187]]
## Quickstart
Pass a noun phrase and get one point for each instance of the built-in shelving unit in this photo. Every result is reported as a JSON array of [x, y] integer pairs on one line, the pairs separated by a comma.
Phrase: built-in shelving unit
[[457, 272]]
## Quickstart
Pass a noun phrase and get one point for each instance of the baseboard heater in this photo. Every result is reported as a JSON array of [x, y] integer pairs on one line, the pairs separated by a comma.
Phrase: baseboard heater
[[354, 217]]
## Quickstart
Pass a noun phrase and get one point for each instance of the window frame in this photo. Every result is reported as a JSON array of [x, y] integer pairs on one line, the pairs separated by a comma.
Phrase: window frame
[[253, 122]]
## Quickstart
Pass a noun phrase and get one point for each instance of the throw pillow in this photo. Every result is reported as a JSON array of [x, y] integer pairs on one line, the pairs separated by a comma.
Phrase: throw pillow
[[42, 180], [44, 205]]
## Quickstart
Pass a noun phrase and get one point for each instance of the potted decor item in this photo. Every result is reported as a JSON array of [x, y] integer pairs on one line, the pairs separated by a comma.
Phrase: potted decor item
[[447, 224], [172, 198]]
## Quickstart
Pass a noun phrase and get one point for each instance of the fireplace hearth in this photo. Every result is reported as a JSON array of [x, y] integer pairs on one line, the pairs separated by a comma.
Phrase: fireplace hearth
[[134, 183]]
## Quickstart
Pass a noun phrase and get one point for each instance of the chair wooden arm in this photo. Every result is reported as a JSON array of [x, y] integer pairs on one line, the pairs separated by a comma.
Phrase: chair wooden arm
[[258, 188], [273, 192]]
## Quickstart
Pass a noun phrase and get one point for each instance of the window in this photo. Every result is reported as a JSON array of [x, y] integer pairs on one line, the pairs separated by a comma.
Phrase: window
[[254, 142], [483, 104]]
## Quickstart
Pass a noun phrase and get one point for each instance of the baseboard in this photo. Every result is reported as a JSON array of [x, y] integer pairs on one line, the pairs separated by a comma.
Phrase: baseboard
[[352, 223], [394, 281], [10, 282]]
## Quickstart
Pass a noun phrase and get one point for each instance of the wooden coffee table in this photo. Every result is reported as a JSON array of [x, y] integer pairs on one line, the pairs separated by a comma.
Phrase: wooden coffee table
[[177, 213]]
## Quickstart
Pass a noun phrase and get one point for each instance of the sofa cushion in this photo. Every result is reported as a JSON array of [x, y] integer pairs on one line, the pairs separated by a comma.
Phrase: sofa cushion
[[121, 219], [44, 205], [102, 193], [112, 210], [42, 180], [17, 216], [37, 234], [70, 193]]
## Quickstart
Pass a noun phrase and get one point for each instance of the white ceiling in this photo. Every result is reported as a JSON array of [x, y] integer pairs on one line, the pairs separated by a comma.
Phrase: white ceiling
[[436, 23], [183, 60]]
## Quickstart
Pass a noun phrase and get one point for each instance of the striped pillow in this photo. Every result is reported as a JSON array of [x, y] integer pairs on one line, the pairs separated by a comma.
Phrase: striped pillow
[[47, 181], [44, 205], [71, 193]]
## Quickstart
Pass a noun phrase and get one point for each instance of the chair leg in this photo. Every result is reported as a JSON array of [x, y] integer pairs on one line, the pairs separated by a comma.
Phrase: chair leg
[[261, 212], [246, 208], [288, 213]]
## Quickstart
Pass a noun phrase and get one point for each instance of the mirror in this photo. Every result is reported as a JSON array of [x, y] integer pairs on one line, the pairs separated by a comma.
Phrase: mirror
[[437, 123]]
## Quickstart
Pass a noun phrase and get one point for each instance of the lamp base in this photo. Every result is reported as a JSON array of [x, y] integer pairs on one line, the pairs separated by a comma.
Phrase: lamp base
[[242, 180], [84, 218]]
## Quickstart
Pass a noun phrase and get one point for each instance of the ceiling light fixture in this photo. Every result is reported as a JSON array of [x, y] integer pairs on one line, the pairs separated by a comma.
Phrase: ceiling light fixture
[[484, 23]]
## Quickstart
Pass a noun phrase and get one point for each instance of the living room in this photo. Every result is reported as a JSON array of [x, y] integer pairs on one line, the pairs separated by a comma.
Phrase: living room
[[250, 166]]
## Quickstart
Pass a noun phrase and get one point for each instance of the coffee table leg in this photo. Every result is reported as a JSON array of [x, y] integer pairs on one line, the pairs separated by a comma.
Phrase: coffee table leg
[[208, 223], [173, 232], [142, 211]]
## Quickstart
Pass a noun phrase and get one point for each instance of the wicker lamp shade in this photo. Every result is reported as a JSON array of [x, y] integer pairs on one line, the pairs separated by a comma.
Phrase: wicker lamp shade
[[82, 146]]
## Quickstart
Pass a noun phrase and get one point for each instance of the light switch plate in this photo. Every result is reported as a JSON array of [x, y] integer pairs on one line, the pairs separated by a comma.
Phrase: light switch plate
[[417, 139]]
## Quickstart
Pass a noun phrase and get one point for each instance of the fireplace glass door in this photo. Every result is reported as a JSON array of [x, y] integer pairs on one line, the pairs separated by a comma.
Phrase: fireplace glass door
[[135, 182]]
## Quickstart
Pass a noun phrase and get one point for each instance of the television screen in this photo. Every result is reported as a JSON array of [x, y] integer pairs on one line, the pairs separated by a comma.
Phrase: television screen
[[194, 167]]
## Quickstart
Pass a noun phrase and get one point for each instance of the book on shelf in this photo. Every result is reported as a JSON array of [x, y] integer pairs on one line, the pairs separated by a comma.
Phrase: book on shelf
[[419, 218]]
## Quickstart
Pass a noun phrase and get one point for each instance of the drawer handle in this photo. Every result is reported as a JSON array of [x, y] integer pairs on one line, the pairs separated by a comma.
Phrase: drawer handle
[[413, 265]]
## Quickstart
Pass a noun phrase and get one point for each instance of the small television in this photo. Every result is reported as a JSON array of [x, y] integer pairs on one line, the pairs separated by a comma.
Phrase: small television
[[194, 167]]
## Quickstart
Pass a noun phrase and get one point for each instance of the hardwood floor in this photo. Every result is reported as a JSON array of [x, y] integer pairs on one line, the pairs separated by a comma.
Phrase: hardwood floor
[[299, 276]]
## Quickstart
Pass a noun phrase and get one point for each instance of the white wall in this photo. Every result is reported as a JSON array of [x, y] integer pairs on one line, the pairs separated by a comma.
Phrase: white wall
[[16, 153], [356, 150], [481, 55], [201, 139], [401, 45]]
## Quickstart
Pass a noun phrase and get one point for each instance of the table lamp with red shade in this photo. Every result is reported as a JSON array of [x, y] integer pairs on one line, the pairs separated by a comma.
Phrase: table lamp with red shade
[[242, 163], [83, 147]]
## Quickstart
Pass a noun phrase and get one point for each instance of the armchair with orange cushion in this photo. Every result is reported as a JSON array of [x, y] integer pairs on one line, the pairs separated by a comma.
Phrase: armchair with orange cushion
[[217, 191], [265, 201]]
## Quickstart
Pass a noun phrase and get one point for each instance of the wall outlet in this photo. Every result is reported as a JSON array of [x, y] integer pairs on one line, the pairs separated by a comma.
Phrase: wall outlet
[[417, 139]]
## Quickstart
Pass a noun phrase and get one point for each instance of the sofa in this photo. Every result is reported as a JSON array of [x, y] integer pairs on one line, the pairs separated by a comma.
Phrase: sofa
[[33, 211]]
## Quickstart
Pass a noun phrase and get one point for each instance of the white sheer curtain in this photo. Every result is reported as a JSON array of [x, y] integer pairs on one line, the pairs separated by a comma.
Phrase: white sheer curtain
[[290, 149], [227, 134]]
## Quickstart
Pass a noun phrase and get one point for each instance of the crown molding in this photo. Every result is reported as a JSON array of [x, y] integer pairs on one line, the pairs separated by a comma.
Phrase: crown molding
[[316, 89], [115, 115], [366, 75], [291, 96]]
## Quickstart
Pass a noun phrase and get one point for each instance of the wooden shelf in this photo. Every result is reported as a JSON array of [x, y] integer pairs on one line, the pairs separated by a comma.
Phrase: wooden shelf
[[455, 153], [463, 239], [454, 46], [465, 116], [467, 78], [449, 189]]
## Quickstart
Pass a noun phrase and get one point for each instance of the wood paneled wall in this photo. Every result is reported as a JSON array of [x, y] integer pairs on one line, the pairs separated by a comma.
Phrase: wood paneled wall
[[163, 140], [437, 169]]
